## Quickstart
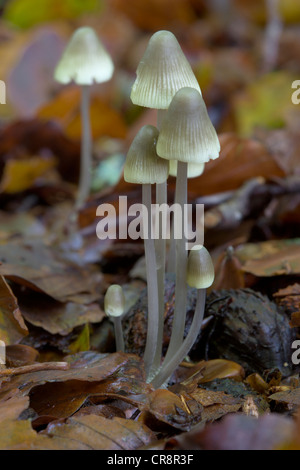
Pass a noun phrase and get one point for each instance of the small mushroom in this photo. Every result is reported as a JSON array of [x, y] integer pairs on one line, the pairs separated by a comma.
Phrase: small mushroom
[[114, 306], [188, 136], [84, 61], [143, 166], [200, 274]]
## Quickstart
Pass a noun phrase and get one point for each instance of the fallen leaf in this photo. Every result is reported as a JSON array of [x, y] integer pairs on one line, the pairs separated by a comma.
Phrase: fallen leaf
[[65, 109], [12, 326], [271, 258], [19, 175], [240, 160], [98, 433]]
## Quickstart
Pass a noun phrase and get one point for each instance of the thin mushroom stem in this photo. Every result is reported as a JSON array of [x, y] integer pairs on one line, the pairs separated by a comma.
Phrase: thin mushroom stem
[[152, 287], [181, 267], [86, 149], [168, 367], [119, 334], [172, 248], [160, 247]]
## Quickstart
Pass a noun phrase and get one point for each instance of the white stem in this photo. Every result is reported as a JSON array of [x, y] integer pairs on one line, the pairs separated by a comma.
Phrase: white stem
[[160, 248], [152, 287], [119, 334], [86, 149], [172, 364], [272, 35], [181, 268]]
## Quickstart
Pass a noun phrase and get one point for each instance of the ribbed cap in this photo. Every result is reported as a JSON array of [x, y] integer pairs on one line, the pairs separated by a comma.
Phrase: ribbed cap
[[114, 301], [194, 169], [162, 71], [187, 133], [200, 269], [84, 60], [143, 165]]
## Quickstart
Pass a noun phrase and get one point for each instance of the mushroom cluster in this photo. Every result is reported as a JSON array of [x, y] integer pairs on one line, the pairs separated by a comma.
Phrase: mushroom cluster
[[186, 139]]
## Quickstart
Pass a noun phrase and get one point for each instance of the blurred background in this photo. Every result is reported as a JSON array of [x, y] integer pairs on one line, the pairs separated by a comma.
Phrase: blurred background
[[245, 55]]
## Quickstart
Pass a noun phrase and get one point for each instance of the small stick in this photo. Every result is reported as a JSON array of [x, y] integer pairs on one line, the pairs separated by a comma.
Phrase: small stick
[[41, 366]]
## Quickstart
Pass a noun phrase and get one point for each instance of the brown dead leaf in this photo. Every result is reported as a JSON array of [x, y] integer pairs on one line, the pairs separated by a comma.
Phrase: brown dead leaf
[[155, 14], [174, 410], [62, 399], [19, 435], [35, 265], [12, 408], [12, 326], [20, 355], [65, 108], [289, 300], [206, 371], [288, 397], [107, 370], [98, 433], [240, 160]]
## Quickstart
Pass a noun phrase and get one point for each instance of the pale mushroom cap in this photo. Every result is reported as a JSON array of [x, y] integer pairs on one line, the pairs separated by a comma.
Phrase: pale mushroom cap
[[162, 71], [194, 169], [143, 165], [187, 133], [114, 301], [200, 270], [84, 60]]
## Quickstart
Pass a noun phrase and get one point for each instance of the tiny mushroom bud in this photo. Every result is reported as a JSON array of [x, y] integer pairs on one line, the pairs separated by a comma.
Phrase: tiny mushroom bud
[[84, 61], [114, 302], [200, 270], [200, 274], [114, 307]]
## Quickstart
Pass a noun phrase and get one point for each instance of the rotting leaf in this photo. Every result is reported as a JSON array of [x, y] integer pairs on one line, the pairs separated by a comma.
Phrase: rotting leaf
[[240, 160], [99, 433], [271, 258], [35, 265], [12, 326]]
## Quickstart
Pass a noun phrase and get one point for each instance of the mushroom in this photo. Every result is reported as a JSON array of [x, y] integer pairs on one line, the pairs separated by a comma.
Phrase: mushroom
[[200, 275], [162, 71], [143, 166], [114, 306], [188, 136], [84, 61]]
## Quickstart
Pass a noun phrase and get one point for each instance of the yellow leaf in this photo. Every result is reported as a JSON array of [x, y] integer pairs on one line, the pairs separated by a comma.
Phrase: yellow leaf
[[19, 175]]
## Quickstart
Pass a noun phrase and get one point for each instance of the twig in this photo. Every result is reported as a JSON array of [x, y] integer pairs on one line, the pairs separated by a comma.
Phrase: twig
[[43, 366]]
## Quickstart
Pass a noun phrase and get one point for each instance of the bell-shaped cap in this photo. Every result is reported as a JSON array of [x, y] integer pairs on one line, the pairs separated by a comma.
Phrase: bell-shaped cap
[[143, 165], [187, 133], [200, 268], [162, 71], [194, 169], [84, 60], [114, 301]]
